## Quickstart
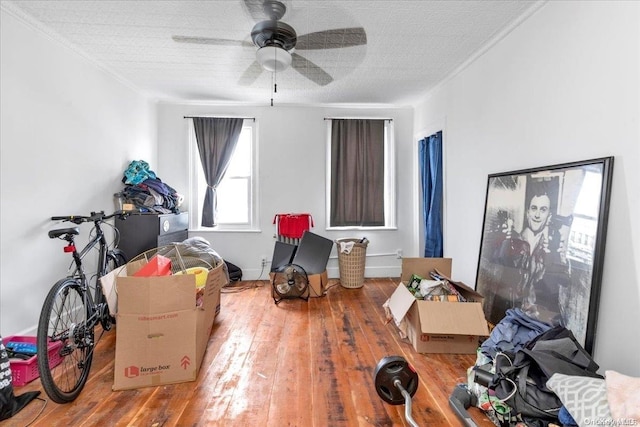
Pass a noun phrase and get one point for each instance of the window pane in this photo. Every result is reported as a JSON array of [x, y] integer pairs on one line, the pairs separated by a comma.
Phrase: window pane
[[234, 190], [240, 164], [233, 201]]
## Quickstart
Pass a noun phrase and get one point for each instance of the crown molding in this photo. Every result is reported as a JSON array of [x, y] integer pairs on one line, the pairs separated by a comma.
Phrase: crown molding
[[486, 47]]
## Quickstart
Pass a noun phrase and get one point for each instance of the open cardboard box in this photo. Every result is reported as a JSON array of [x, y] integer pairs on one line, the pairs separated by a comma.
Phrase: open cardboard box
[[437, 326], [161, 336]]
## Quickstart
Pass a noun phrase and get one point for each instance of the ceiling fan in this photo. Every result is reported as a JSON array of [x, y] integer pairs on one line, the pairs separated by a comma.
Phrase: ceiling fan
[[277, 42]]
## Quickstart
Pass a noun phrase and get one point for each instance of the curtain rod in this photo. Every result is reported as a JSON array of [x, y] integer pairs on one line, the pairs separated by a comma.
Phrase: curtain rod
[[219, 117], [357, 118]]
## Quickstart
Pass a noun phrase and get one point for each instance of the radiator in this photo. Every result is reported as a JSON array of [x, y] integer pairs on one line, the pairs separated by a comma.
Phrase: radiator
[[289, 240]]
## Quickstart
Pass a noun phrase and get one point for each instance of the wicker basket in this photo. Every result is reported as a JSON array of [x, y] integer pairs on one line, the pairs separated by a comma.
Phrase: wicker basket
[[352, 265]]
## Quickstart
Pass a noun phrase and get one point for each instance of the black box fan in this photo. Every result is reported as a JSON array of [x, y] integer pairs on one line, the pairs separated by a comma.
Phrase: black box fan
[[291, 282]]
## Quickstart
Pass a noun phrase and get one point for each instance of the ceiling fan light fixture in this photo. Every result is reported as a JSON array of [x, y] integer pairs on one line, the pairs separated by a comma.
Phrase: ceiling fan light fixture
[[273, 58]]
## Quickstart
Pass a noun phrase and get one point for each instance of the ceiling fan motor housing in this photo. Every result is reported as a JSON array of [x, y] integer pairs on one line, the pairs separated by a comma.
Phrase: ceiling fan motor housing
[[275, 39], [274, 9], [274, 33]]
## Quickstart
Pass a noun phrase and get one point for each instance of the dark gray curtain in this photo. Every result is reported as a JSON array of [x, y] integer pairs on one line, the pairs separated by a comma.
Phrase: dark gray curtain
[[357, 172], [216, 138]]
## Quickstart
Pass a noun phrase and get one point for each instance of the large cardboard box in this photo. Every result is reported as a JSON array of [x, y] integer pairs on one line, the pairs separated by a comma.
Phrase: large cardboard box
[[437, 326], [161, 335]]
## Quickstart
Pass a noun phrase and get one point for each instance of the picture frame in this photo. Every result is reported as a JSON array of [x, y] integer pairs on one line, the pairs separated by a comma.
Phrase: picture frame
[[542, 244]]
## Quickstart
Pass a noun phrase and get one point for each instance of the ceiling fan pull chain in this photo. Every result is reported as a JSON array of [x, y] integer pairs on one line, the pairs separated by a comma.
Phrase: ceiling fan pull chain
[[272, 81], [275, 74]]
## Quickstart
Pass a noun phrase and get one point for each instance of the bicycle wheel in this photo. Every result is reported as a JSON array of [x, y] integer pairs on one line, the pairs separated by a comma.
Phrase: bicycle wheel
[[63, 323], [115, 258]]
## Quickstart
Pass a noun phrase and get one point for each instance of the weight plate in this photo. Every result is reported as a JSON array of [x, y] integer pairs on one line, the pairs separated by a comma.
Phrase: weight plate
[[390, 369]]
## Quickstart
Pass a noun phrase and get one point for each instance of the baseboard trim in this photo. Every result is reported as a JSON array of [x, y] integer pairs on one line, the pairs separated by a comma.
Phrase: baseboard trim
[[332, 272]]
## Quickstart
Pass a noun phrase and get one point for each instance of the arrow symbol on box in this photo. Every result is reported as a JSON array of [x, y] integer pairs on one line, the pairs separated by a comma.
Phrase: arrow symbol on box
[[185, 362]]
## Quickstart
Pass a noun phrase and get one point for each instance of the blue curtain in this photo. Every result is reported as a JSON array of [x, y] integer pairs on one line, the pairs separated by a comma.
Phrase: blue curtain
[[430, 153]]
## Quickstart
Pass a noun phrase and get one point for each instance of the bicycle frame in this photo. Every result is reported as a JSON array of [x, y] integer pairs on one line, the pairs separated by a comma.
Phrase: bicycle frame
[[95, 302], [102, 256]]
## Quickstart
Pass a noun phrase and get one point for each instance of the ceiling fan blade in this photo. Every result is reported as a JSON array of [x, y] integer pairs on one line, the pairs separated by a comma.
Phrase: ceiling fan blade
[[332, 39], [210, 40], [310, 70], [251, 74], [259, 10]]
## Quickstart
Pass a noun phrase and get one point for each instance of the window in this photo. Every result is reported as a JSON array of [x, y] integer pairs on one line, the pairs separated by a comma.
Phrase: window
[[236, 194], [360, 174]]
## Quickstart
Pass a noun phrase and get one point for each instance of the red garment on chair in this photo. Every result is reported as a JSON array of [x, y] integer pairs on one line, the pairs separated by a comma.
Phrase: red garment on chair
[[293, 225]]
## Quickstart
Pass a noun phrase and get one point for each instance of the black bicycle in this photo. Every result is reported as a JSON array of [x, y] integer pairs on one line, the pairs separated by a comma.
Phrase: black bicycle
[[73, 308]]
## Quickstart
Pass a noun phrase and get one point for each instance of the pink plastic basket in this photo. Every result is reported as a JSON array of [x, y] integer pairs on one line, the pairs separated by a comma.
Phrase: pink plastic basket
[[25, 371]]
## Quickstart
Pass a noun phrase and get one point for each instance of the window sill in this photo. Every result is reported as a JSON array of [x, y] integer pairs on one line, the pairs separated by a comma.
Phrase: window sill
[[386, 228], [225, 230]]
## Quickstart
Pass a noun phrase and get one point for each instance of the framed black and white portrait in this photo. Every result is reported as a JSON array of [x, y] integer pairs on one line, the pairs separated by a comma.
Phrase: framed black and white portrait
[[542, 244]]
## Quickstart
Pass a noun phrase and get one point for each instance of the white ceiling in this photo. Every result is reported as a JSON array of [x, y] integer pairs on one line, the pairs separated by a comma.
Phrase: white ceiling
[[411, 47]]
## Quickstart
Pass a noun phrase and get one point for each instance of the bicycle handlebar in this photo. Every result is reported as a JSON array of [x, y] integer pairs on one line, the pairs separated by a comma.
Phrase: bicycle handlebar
[[94, 217]]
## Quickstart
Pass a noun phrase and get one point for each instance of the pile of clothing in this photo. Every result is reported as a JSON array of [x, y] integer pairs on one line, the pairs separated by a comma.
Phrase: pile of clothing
[[513, 379], [146, 191]]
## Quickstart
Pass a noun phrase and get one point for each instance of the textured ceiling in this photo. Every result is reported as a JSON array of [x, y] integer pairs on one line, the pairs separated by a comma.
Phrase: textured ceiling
[[411, 46]]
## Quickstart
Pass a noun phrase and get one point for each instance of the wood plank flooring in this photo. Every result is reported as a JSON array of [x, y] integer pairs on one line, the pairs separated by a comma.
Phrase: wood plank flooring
[[293, 364]]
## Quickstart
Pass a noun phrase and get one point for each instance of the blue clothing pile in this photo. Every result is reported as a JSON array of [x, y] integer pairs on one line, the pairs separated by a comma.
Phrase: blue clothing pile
[[137, 172], [146, 191], [512, 333]]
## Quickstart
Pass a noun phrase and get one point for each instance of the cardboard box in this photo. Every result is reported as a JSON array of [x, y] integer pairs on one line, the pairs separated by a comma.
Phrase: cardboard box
[[317, 284], [437, 326], [108, 284], [161, 336]]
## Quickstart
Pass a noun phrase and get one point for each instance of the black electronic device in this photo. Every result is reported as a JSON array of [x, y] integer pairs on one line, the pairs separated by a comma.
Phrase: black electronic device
[[482, 376], [313, 253], [282, 255], [140, 232]]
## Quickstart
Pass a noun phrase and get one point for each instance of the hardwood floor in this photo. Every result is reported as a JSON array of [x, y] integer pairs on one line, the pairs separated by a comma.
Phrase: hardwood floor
[[293, 364]]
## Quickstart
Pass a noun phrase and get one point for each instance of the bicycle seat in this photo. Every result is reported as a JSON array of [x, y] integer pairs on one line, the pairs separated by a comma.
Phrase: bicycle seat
[[62, 231]]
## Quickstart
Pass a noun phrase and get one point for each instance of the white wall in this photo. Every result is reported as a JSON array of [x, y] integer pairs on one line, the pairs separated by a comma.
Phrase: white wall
[[68, 131], [563, 86], [291, 158]]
